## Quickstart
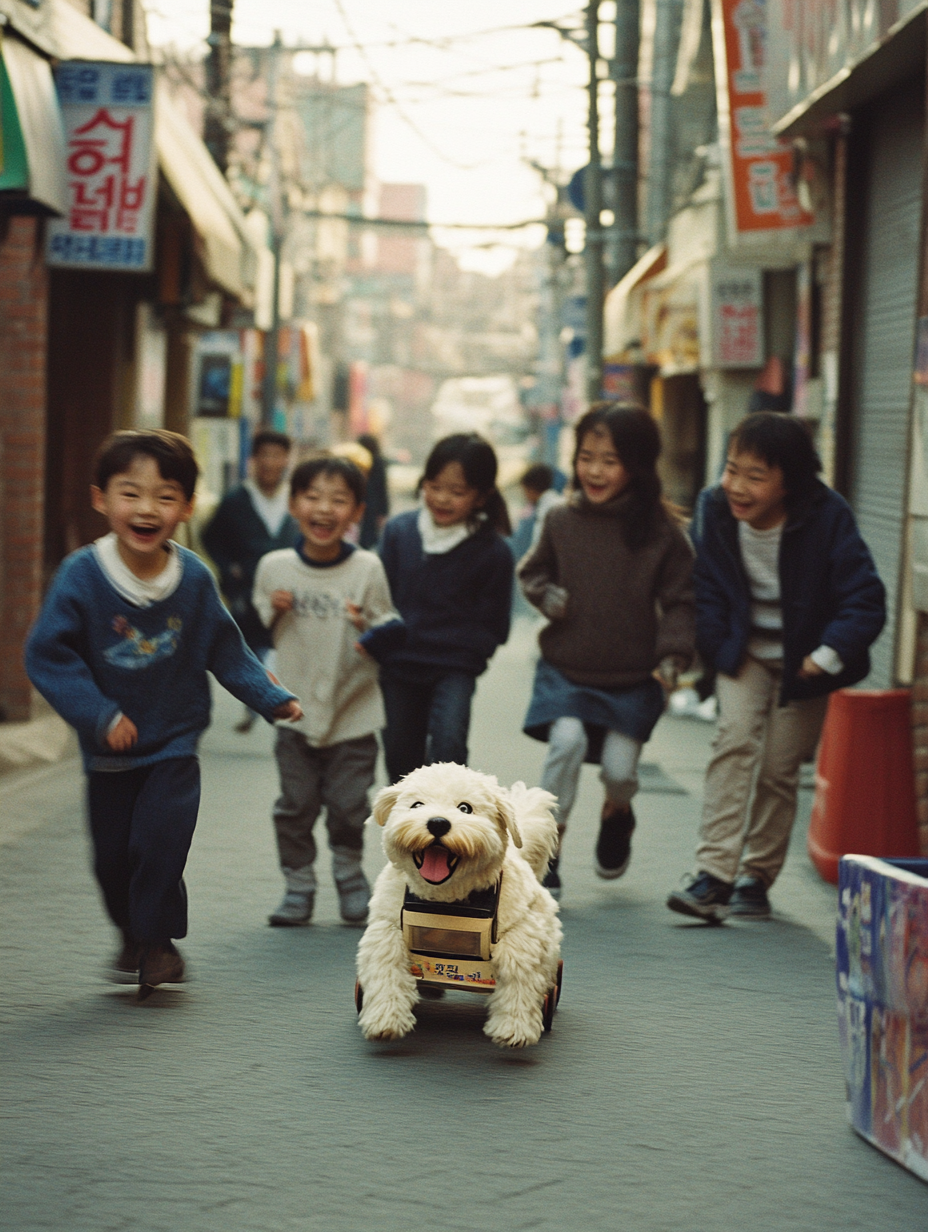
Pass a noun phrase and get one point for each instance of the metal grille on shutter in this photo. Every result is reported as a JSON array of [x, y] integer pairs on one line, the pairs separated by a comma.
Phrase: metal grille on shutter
[[883, 384]]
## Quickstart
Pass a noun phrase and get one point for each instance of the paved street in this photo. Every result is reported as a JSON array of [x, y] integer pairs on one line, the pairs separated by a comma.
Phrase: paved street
[[692, 1080]]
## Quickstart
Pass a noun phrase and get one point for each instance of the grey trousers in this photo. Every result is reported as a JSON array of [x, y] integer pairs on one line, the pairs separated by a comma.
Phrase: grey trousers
[[337, 777], [758, 745], [567, 747]]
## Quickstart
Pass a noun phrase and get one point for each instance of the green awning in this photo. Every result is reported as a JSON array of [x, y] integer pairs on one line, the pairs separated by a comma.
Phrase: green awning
[[33, 154], [14, 165]]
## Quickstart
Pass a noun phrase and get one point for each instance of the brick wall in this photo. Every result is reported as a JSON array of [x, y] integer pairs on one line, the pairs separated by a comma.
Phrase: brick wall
[[920, 729], [23, 339]]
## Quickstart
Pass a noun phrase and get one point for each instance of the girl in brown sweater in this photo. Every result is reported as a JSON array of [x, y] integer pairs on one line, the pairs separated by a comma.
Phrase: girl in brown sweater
[[613, 574]]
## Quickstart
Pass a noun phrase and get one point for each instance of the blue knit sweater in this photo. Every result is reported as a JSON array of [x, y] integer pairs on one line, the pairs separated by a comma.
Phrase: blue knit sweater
[[456, 605], [92, 654]]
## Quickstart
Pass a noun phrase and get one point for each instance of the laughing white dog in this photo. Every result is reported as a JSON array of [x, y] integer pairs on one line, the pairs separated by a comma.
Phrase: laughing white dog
[[448, 831]]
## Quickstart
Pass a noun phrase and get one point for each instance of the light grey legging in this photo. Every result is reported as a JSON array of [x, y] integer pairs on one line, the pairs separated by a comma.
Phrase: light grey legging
[[567, 748]]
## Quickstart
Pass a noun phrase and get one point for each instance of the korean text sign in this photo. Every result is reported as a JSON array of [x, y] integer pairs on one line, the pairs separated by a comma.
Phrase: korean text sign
[[762, 196], [111, 173]]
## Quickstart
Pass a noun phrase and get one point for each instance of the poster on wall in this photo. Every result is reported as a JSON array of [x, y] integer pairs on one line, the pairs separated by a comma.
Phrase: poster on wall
[[760, 193], [108, 113], [737, 330]]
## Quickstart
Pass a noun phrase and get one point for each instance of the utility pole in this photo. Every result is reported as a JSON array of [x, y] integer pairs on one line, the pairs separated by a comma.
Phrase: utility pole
[[593, 203], [219, 83], [668, 16], [623, 246], [271, 344]]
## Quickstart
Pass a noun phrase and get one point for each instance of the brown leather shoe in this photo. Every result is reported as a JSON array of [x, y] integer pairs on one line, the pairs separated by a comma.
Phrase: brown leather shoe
[[124, 968], [161, 964]]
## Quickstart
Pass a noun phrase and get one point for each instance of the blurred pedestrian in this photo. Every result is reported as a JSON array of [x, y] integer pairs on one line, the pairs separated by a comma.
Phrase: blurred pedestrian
[[328, 606], [612, 571], [252, 519], [788, 604], [450, 574], [377, 502], [121, 649]]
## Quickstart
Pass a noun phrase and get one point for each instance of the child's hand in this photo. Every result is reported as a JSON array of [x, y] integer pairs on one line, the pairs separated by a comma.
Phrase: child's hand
[[361, 651], [123, 736], [809, 669], [356, 616], [282, 600], [554, 602], [667, 673], [291, 711]]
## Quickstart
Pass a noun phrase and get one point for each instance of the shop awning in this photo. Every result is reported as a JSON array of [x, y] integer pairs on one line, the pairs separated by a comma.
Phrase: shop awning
[[33, 137], [622, 324], [203, 192], [670, 308], [56, 28]]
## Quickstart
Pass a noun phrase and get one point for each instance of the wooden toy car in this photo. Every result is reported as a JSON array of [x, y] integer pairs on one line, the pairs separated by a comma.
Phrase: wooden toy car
[[451, 946]]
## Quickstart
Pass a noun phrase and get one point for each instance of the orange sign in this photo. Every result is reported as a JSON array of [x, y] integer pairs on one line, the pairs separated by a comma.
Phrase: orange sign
[[762, 196]]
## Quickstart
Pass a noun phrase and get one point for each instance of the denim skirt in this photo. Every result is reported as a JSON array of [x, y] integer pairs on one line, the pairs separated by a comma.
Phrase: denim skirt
[[633, 711]]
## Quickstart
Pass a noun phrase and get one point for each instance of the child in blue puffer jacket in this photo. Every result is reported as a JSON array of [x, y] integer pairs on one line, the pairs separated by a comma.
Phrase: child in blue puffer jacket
[[788, 602]]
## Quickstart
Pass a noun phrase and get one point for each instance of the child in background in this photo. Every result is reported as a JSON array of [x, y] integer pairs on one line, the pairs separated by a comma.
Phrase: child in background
[[126, 635], [328, 606], [612, 571], [450, 575], [788, 602]]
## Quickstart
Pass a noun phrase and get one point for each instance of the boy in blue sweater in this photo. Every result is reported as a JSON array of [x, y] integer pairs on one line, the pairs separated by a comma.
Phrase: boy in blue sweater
[[121, 648]]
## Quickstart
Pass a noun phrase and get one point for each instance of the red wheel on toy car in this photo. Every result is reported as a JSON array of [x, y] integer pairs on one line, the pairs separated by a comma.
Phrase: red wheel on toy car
[[559, 982], [358, 995], [547, 1009]]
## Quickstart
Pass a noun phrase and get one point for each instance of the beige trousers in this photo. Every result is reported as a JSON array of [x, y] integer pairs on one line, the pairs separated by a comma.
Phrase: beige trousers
[[761, 745]]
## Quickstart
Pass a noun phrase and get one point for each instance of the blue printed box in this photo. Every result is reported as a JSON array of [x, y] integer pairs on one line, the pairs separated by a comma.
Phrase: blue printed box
[[882, 976]]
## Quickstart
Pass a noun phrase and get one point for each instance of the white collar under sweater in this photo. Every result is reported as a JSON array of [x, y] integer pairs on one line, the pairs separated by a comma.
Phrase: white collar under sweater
[[437, 540], [141, 591], [270, 509]]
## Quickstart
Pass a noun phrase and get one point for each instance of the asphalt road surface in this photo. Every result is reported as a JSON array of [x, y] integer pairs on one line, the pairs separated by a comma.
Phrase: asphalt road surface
[[692, 1082]]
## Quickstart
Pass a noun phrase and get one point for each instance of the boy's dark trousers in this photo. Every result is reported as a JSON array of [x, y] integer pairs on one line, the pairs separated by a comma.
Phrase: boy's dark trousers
[[141, 824]]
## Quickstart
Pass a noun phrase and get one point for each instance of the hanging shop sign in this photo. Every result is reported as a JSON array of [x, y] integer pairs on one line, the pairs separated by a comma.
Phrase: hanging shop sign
[[814, 44], [760, 192], [110, 165], [737, 317]]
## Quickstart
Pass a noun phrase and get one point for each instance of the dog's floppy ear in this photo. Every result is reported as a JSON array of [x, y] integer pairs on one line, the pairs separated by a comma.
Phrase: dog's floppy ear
[[384, 801], [507, 816]]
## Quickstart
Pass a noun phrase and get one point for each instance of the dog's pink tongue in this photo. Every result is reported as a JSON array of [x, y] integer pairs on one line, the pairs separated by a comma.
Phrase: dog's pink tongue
[[435, 866]]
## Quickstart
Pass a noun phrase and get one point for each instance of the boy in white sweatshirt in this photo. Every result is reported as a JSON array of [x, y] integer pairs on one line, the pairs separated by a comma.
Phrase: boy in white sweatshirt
[[328, 606]]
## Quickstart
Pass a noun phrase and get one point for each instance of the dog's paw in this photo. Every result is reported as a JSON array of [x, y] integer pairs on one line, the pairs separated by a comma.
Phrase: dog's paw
[[510, 1033], [391, 1022]]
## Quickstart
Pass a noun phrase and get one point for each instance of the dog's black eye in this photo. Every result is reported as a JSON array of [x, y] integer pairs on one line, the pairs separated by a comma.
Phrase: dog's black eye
[[418, 804], [465, 808]]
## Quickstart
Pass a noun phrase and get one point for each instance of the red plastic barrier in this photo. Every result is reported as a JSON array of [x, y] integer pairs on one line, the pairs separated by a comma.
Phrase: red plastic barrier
[[864, 781]]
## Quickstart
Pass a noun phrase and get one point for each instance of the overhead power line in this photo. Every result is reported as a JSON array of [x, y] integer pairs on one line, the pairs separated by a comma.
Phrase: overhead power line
[[360, 221]]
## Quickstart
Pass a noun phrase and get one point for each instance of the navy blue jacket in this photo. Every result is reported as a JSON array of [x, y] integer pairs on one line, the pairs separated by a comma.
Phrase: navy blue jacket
[[830, 592], [456, 605], [236, 538]]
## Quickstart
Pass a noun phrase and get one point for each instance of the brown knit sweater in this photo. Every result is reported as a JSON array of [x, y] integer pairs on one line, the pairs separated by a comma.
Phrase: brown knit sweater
[[625, 610]]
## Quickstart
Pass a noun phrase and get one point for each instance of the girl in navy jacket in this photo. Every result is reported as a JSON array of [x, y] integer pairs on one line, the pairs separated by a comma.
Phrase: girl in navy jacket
[[450, 575], [788, 602]]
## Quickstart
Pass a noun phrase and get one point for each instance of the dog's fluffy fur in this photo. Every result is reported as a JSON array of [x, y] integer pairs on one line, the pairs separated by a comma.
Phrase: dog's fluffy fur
[[509, 831]]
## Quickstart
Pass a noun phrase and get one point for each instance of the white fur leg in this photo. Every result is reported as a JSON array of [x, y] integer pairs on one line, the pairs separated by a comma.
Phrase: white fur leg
[[525, 963], [390, 990]]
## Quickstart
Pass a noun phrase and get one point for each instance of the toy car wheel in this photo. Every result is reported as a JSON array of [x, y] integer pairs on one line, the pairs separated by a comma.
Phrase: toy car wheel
[[358, 995], [559, 982], [547, 1009]]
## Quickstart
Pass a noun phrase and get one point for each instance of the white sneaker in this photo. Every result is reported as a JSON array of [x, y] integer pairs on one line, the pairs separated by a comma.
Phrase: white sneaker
[[296, 908]]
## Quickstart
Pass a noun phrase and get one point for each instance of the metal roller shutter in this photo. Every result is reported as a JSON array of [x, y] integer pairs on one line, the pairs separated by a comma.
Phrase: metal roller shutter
[[884, 344]]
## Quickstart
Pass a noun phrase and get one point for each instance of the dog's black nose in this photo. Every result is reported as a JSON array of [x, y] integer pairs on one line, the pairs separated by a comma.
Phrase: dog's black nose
[[438, 826]]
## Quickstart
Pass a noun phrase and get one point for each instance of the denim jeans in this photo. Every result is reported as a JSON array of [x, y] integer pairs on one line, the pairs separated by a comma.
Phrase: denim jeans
[[428, 718]]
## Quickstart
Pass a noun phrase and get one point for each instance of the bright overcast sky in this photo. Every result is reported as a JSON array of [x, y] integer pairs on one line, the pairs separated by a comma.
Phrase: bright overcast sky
[[457, 108]]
